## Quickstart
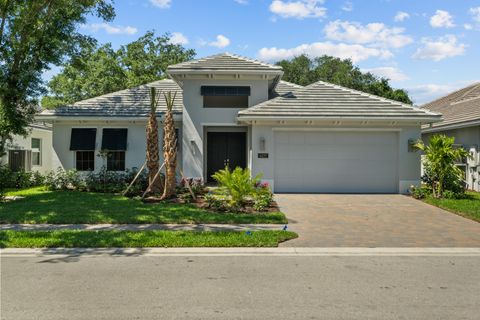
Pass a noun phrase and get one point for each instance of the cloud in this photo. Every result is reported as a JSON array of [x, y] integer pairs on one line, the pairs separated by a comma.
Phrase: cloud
[[221, 42], [391, 73], [347, 6], [162, 4], [475, 12], [241, 1], [401, 16], [299, 9], [439, 49], [95, 27], [468, 26], [355, 52], [178, 38], [442, 19], [426, 93], [376, 34]]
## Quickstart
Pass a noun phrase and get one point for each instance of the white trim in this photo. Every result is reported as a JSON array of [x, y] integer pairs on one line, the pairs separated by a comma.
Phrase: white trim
[[218, 124], [452, 126], [339, 129]]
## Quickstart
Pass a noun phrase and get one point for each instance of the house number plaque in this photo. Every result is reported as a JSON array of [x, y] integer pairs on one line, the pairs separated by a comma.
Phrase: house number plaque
[[263, 155]]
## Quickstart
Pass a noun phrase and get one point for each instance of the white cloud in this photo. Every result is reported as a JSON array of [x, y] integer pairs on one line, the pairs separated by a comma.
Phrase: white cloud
[[468, 26], [355, 52], [241, 1], [95, 27], [442, 19], [426, 93], [475, 12], [299, 9], [401, 16], [391, 73], [178, 38], [163, 4], [221, 42], [373, 33], [439, 49], [347, 6]]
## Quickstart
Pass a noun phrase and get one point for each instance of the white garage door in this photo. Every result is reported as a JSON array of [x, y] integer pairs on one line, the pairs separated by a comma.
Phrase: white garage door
[[336, 162]]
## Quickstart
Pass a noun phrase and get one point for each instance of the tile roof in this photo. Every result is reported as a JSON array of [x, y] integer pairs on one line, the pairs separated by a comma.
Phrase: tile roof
[[325, 100], [134, 102], [224, 62], [283, 88], [457, 107]]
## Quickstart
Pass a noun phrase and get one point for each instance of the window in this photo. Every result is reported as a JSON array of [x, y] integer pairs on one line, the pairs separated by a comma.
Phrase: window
[[82, 141], [36, 152], [116, 161], [115, 142], [225, 97], [85, 160]]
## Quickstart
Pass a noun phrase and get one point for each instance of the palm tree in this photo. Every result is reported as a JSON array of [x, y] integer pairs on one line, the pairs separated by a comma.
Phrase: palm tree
[[169, 148], [152, 145], [440, 158]]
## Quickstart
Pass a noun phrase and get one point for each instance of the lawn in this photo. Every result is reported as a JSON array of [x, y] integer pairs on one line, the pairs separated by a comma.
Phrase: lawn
[[71, 207], [137, 239], [468, 208]]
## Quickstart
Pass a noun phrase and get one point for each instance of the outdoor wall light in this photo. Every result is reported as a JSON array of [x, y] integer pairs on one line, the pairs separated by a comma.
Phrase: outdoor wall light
[[192, 145], [411, 145], [262, 144]]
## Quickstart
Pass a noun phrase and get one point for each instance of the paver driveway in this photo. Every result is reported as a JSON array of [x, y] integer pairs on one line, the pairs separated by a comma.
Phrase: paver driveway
[[333, 220]]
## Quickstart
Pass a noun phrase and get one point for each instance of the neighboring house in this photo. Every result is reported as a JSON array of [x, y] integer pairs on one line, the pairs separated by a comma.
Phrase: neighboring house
[[461, 113], [233, 111], [30, 153]]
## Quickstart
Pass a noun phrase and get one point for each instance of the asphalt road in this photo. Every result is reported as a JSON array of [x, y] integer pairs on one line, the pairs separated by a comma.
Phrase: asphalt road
[[240, 287]]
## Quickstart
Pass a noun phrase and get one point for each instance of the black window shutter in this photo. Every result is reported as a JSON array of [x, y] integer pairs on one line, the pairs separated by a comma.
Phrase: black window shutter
[[114, 139], [224, 91], [83, 139]]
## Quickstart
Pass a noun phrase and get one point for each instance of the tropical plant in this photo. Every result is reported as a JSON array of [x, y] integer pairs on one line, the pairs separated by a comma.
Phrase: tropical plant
[[440, 169], [262, 197], [238, 185], [153, 164], [169, 148]]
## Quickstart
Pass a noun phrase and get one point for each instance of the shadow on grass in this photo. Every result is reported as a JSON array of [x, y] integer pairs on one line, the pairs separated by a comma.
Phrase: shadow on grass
[[67, 255]]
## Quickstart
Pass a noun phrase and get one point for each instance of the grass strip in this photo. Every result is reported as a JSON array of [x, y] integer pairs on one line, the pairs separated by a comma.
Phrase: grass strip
[[468, 208], [137, 239]]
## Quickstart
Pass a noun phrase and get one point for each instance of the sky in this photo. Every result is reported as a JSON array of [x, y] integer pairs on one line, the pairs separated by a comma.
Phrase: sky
[[429, 47]]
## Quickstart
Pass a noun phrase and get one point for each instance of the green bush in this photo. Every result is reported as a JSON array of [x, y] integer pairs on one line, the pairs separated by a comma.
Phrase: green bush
[[263, 197], [19, 179], [238, 185], [419, 192]]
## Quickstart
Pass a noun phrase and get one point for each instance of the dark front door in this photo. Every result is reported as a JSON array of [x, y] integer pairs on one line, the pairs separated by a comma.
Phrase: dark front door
[[225, 149], [16, 160]]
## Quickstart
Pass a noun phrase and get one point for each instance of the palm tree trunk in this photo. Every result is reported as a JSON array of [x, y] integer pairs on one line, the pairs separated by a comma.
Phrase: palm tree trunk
[[153, 151], [169, 149]]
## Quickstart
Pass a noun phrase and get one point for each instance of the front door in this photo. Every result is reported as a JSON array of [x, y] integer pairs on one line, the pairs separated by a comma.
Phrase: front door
[[225, 149]]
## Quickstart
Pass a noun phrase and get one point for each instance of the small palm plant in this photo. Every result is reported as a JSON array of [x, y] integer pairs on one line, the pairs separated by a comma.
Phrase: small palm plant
[[440, 158], [238, 184], [153, 164], [169, 148]]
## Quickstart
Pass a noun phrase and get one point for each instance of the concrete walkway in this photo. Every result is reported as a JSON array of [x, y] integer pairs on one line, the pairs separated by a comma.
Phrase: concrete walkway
[[141, 227], [342, 220]]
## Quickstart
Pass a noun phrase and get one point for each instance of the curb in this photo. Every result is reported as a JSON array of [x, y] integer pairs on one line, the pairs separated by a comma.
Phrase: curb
[[132, 252]]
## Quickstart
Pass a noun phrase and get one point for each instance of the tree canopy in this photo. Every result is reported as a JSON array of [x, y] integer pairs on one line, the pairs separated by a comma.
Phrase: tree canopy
[[98, 70], [33, 36], [303, 71]]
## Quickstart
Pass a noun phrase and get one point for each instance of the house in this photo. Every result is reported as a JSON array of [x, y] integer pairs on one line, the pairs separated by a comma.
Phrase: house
[[234, 111], [32, 152], [461, 113]]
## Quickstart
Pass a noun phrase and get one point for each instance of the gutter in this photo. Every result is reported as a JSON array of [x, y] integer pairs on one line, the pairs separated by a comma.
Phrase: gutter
[[325, 119], [452, 126]]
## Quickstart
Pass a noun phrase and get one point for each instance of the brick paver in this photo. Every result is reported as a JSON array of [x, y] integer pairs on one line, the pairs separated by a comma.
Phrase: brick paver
[[332, 220]]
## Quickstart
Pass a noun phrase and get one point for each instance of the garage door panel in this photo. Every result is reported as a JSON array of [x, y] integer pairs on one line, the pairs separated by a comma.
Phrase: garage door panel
[[336, 162]]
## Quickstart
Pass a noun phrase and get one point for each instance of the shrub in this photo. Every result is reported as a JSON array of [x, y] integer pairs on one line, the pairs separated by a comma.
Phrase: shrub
[[63, 180], [263, 197], [238, 185], [216, 202], [419, 192]]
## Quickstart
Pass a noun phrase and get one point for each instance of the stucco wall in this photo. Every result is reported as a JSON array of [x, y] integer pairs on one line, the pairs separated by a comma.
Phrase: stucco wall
[[136, 143], [468, 137], [25, 143], [408, 162], [196, 118]]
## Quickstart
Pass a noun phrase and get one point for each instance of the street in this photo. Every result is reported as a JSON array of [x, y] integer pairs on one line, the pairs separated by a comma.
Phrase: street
[[131, 286]]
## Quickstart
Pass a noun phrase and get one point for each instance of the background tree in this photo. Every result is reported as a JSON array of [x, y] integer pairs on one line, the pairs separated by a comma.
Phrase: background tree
[[153, 150], [98, 70], [303, 71], [439, 164], [33, 36], [169, 148]]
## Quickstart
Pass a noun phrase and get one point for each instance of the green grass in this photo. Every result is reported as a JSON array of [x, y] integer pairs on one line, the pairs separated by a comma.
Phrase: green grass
[[468, 208], [70, 207], [136, 239]]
